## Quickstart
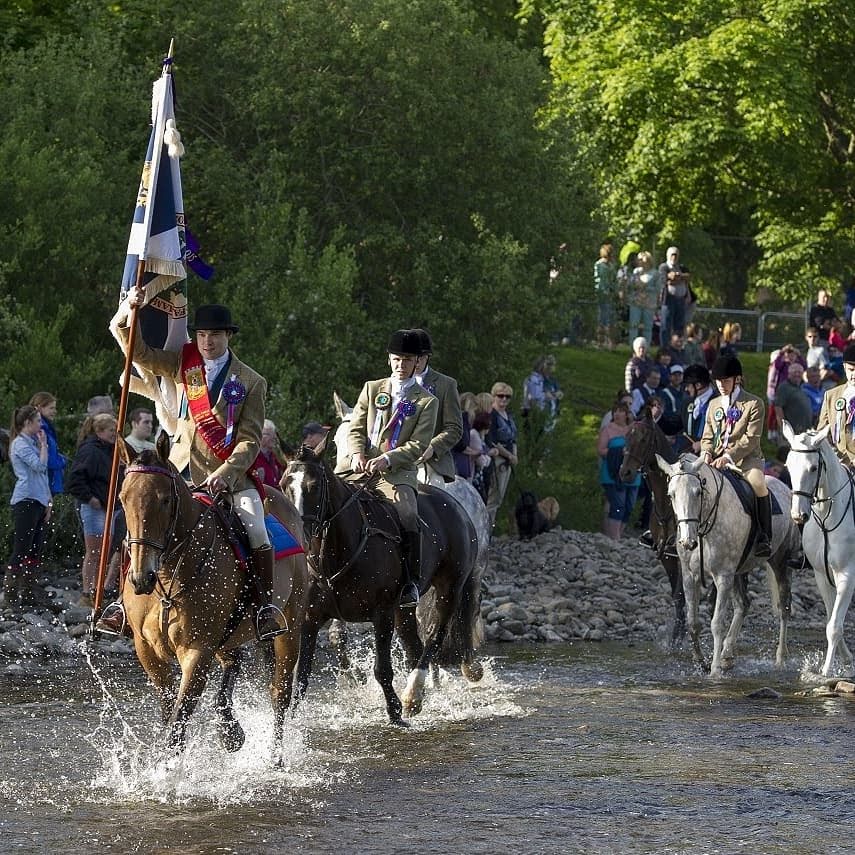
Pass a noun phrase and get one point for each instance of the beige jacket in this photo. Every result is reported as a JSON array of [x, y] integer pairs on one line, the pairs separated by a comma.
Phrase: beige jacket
[[840, 433], [449, 422], [744, 443]]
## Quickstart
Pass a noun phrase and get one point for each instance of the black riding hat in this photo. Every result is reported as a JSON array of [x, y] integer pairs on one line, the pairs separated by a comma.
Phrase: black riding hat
[[726, 366], [213, 318], [405, 343], [697, 374], [849, 353], [425, 341], [671, 424]]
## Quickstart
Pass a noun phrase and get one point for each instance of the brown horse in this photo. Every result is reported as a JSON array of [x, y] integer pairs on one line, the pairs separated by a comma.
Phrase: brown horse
[[355, 560], [186, 595]]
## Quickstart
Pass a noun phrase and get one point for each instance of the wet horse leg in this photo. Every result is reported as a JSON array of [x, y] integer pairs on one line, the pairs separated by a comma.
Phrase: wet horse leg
[[740, 601], [160, 674], [195, 663], [286, 654], [308, 642], [408, 632], [834, 628], [228, 727], [691, 585], [780, 584], [383, 673], [678, 597]]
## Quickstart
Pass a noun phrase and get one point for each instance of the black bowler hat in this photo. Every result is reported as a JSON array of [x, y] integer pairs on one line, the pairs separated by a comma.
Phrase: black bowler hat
[[726, 366], [213, 318], [849, 353], [405, 343], [425, 342]]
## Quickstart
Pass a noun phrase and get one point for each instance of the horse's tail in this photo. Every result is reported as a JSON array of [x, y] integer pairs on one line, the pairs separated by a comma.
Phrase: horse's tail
[[465, 629]]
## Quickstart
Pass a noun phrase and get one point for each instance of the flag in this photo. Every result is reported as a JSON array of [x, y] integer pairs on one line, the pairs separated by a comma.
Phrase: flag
[[158, 236]]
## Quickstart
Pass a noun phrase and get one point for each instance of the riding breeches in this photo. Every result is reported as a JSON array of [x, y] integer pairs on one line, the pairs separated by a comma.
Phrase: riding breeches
[[757, 479], [403, 496], [250, 509], [428, 475]]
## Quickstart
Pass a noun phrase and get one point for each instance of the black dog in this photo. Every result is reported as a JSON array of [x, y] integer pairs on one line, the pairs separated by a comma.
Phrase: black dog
[[530, 519]]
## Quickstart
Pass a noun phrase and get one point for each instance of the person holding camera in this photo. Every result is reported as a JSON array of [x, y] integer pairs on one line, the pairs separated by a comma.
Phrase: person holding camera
[[675, 295]]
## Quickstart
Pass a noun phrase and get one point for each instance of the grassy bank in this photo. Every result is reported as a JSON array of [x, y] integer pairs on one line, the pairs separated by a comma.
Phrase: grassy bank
[[590, 379]]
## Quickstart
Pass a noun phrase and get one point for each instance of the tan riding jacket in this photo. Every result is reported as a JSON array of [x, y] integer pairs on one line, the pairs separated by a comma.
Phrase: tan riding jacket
[[449, 422], [744, 442], [828, 415]]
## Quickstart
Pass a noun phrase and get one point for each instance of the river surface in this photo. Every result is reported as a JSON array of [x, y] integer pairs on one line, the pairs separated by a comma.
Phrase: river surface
[[566, 748]]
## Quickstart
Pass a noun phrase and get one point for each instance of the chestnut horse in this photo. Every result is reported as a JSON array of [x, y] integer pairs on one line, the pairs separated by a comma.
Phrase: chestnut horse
[[355, 560], [186, 595]]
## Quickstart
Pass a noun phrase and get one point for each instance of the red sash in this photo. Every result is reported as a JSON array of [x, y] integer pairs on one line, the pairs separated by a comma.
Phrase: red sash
[[198, 403]]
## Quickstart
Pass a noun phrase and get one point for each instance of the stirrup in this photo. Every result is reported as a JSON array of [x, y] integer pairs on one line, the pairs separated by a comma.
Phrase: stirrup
[[267, 622], [409, 598], [113, 620]]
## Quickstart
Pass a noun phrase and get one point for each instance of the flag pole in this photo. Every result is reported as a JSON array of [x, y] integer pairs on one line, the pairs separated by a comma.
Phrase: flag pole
[[107, 537]]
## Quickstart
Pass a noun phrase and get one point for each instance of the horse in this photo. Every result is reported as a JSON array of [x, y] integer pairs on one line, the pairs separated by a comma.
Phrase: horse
[[355, 573], [643, 442], [715, 535], [185, 595], [824, 503], [456, 646]]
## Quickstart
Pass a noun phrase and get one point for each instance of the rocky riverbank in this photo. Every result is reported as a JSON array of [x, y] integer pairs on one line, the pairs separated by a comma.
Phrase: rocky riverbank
[[561, 586]]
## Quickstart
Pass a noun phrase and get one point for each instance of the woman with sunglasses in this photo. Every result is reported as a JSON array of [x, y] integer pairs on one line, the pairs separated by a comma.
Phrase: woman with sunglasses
[[502, 442]]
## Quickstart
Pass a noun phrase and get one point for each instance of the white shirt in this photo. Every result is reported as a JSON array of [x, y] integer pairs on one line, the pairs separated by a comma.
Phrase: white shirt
[[213, 367]]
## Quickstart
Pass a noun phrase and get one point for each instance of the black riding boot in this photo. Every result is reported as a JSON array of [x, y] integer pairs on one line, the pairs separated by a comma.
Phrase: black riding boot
[[411, 548], [763, 543], [269, 619]]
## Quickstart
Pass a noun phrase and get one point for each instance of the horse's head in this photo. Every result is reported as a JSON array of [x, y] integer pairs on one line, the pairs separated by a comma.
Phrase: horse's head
[[685, 490], [306, 484], [638, 448], [149, 497], [804, 463]]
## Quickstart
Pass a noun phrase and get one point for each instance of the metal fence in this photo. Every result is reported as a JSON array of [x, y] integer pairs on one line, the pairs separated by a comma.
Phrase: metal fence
[[760, 330]]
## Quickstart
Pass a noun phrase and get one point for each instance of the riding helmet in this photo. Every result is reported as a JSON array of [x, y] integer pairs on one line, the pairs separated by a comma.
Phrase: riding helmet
[[425, 341], [405, 343], [697, 374], [849, 353], [726, 366]]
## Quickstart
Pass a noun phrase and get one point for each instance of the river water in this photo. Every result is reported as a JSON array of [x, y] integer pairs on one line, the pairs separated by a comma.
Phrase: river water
[[565, 748]]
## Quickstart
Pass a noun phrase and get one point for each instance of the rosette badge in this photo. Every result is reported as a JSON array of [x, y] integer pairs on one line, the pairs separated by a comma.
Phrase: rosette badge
[[234, 393], [382, 401]]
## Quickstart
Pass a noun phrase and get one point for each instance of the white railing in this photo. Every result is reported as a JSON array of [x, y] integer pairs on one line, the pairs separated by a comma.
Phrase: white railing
[[760, 330]]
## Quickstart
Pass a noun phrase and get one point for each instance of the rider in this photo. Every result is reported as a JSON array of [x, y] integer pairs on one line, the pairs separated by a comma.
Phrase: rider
[[437, 463], [699, 393], [218, 435], [391, 427], [731, 437], [838, 410]]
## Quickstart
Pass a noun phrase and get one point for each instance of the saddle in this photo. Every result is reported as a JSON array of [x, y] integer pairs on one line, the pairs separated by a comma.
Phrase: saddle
[[749, 504]]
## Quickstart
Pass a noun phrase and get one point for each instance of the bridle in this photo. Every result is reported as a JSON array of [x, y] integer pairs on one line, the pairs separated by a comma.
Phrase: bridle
[[151, 469], [704, 525]]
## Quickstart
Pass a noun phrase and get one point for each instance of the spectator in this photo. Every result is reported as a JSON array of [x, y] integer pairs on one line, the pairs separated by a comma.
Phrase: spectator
[[672, 394], [676, 349], [674, 278], [622, 397], [605, 284], [31, 505], [502, 442], [142, 427], [671, 424], [638, 366], [644, 291], [534, 395], [837, 337], [711, 348], [731, 335], [654, 408], [662, 360], [45, 403], [313, 433], [269, 465], [649, 389], [816, 354], [619, 495], [693, 353], [470, 447], [698, 389], [792, 402], [777, 468], [100, 404], [483, 403], [779, 363], [89, 482], [482, 475], [551, 387], [815, 390], [821, 316]]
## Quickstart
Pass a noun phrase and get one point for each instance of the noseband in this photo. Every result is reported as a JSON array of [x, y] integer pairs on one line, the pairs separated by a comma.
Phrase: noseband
[[704, 526], [150, 469], [821, 464]]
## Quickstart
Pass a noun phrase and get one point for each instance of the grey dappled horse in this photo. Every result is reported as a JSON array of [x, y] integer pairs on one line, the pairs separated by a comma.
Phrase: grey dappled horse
[[824, 501], [712, 533]]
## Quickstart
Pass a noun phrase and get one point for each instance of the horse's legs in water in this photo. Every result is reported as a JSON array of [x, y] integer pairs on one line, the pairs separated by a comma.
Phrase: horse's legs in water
[[740, 601], [678, 597], [408, 632], [308, 641], [383, 673], [691, 588], [228, 727], [836, 617], [780, 586], [195, 662], [160, 674], [286, 654], [413, 695]]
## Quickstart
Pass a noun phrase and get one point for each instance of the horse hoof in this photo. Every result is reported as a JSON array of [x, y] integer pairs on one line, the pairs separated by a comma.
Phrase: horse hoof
[[231, 736], [412, 707], [399, 722], [727, 662], [472, 671]]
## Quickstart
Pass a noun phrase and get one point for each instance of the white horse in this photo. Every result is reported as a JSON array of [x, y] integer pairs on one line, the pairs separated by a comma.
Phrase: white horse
[[824, 501], [712, 537], [467, 496]]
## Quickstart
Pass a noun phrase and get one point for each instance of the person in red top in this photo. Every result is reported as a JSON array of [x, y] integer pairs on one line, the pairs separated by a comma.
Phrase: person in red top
[[269, 467]]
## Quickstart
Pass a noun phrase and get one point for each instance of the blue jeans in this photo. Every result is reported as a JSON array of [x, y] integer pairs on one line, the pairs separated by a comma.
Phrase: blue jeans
[[621, 498]]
